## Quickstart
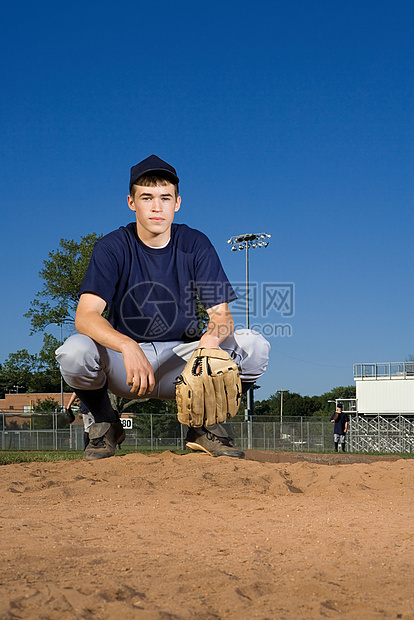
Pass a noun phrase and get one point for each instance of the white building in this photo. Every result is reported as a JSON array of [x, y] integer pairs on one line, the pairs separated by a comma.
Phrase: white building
[[385, 388], [382, 415]]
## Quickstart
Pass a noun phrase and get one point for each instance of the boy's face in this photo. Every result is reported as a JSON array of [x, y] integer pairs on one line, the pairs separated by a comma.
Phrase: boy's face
[[154, 208]]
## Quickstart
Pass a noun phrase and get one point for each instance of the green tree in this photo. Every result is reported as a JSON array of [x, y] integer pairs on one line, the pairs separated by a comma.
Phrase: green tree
[[62, 277], [164, 418], [47, 376], [296, 405], [164, 415], [202, 315], [44, 405], [293, 405], [25, 372], [56, 303], [326, 407], [16, 372], [47, 408], [268, 407]]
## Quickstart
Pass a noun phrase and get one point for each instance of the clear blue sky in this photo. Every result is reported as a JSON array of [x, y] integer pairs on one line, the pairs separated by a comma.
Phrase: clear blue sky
[[294, 118]]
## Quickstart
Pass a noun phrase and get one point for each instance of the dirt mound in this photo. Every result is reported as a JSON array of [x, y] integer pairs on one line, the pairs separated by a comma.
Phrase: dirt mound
[[159, 536]]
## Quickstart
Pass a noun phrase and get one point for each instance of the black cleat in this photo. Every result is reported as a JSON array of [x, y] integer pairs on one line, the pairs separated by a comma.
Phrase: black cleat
[[103, 438], [213, 440]]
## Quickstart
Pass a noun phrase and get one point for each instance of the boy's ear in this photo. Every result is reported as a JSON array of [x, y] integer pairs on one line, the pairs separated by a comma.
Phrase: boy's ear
[[130, 201], [177, 204]]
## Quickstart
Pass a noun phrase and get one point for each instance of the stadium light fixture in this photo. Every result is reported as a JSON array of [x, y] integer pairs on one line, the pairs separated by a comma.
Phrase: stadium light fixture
[[245, 242]]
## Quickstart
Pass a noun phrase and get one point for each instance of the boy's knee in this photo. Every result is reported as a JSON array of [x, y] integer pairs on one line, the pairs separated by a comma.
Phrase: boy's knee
[[75, 352], [255, 353], [253, 344]]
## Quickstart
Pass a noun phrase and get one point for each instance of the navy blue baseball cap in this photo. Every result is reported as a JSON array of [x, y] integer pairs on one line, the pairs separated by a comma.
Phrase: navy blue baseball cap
[[156, 166]]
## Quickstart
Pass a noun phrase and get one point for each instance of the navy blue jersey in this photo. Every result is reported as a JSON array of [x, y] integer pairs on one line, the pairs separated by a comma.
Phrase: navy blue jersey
[[339, 426], [151, 292]]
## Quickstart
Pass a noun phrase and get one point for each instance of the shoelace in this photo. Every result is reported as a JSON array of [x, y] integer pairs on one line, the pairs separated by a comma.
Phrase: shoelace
[[98, 442], [226, 441]]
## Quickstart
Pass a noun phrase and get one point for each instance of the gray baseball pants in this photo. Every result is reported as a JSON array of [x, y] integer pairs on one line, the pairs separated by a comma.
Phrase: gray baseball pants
[[86, 365]]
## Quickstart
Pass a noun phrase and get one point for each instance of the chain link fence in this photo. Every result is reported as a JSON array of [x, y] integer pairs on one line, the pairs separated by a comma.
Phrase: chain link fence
[[52, 431]]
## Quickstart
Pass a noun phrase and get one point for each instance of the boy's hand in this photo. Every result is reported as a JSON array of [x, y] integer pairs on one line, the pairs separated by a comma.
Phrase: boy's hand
[[140, 375], [89, 321]]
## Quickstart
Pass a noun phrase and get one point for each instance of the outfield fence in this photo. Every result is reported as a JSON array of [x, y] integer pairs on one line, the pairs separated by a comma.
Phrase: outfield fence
[[373, 433]]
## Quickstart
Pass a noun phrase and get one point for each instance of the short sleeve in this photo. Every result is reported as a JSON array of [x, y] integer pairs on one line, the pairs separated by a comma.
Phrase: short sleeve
[[103, 272], [212, 284]]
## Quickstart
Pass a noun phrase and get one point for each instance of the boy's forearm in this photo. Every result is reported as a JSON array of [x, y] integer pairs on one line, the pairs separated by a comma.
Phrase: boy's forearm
[[140, 375], [99, 329], [218, 329]]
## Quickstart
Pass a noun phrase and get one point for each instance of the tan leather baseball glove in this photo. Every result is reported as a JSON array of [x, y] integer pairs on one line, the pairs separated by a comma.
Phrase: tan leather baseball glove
[[208, 391]]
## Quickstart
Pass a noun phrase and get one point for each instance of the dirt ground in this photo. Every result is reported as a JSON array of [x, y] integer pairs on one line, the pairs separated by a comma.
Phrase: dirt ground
[[168, 536]]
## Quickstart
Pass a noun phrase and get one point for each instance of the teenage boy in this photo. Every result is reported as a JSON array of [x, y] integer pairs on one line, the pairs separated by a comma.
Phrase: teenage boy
[[340, 420], [148, 276]]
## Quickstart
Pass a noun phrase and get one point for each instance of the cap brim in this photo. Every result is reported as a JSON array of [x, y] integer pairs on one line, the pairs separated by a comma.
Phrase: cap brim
[[165, 173]]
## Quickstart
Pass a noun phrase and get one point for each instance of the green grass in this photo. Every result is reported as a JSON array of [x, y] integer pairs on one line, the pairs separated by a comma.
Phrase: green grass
[[9, 457], [48, 456]]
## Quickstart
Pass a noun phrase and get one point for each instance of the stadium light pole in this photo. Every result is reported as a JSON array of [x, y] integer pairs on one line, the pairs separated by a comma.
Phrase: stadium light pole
[[60, 325], [281, 412], [245, 242], [61, 378]]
